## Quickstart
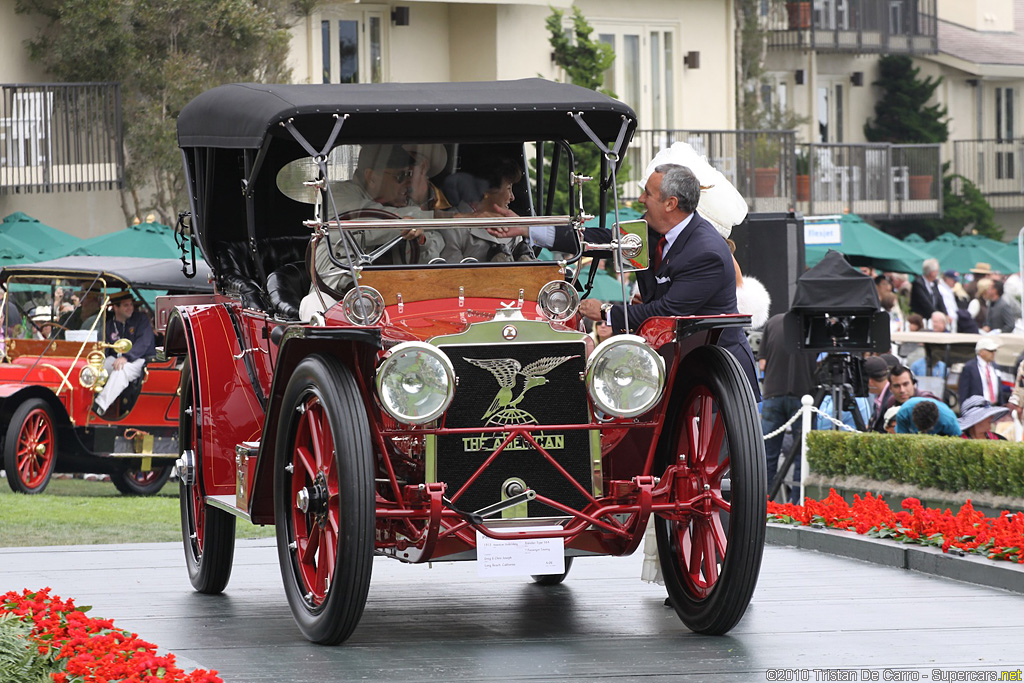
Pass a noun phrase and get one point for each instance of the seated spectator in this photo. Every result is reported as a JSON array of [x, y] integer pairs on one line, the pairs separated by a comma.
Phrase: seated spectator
[[920, 368], [921, 415], [939, 322], [489, 191], [915, 323], [977, 416]]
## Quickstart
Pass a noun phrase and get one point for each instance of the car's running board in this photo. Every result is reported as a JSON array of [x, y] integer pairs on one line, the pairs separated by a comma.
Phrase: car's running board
[[227, 504]]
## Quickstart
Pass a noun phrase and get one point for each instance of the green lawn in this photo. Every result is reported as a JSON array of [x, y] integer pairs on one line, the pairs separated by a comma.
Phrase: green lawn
[[78, 512]]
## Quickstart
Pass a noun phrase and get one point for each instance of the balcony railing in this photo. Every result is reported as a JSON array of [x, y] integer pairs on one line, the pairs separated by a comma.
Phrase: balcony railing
[[775, 173], [854, 26], [60, 137], [875, 179], [996, 167]]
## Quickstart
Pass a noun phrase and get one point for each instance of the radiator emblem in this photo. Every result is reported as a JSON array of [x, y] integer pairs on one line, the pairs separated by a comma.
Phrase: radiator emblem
[[504, 409], [509, 332]]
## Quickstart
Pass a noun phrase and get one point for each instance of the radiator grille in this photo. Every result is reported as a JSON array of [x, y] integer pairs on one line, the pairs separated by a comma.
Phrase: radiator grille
[[505, 384]]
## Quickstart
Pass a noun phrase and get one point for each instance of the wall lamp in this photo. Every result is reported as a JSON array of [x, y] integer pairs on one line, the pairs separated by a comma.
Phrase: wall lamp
[[692, 60], [400, 16], [857, 78], [798, 77]]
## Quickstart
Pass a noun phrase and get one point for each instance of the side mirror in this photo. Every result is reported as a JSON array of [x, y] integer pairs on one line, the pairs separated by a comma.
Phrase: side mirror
[[633, 244]]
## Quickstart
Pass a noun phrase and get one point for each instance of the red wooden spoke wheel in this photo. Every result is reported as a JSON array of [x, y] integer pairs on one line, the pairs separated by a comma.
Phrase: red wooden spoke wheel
[[711, 554], [207, 533], [30, 448], [324, 499], [141, 482]]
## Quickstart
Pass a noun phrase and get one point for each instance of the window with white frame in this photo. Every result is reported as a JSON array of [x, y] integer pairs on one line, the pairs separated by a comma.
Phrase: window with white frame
[[645, 71], [352, 44]]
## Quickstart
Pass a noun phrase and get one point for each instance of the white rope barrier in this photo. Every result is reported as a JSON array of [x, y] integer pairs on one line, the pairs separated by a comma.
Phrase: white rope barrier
[[805, 412]]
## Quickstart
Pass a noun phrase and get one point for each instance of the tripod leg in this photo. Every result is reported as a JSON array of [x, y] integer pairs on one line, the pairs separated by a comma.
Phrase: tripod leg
[[780, 474]]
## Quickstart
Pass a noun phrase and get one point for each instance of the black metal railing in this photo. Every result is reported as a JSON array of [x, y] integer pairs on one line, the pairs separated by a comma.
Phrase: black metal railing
[[854, 26], [60, 137], [996, 167], [775, 173], [870, 179]]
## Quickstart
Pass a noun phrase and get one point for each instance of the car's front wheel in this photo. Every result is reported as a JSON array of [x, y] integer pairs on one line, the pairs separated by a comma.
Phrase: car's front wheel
[[208, 533], [710, 555], [324, 499], [30, 447]]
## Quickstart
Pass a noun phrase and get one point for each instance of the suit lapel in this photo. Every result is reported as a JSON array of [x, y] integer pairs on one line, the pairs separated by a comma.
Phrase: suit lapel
[[680, 243]]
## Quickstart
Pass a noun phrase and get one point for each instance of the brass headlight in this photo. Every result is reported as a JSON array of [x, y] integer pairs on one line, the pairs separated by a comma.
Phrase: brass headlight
[[93, 375]]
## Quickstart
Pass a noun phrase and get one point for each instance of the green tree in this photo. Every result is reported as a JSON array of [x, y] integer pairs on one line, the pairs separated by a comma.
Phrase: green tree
[[904, 116], [163, 53], [584, 60]]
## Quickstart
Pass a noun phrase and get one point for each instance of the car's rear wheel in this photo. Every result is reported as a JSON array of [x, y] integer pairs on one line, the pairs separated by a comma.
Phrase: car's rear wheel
[[553, 579], [208, 534], [711, 556], [141, 482], [324, 499], [30, 447]]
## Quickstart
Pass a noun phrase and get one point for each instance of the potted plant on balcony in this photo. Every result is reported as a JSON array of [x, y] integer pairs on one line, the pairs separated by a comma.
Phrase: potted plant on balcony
[[799, 12], [803, 177], [766, 165]]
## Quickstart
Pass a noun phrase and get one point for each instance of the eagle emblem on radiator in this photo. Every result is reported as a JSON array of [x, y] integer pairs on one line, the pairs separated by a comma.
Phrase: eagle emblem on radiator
[[504, 409]]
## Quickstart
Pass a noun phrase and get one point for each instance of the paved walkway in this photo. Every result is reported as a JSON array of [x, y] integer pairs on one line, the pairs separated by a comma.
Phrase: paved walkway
[[810, 612]]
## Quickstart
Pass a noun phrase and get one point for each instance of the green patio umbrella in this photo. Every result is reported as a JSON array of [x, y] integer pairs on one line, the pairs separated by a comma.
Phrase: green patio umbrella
[[606, 287], [914, 238], [50, 242], [154, 240], [963, 253], [625, 214], [865, 245]]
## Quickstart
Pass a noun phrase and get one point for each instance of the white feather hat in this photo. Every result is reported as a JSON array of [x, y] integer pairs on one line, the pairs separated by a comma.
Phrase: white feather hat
[[720, 202]]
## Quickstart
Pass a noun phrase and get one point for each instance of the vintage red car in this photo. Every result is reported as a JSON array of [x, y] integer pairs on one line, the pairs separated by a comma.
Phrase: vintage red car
[[52, 367], [447, 407]]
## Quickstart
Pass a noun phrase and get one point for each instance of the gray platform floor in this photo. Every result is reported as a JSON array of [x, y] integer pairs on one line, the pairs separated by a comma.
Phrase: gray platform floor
[[810, 612]]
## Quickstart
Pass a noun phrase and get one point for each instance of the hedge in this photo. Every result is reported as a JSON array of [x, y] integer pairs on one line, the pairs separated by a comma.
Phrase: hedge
[[941, 462]]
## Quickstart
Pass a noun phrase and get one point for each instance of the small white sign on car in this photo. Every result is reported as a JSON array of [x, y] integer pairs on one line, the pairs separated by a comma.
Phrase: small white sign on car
[[520, 557]]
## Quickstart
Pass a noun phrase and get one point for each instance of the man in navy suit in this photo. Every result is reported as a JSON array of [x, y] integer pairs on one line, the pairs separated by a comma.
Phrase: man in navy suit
[[979, 376], [694, 274]]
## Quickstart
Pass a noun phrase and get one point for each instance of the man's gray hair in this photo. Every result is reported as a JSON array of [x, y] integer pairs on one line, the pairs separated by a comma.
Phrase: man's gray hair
[[679, 182], [930, 265]]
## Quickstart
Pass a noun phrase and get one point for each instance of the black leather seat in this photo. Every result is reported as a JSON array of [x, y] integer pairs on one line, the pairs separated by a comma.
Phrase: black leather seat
[[238, 275], [285, 288]]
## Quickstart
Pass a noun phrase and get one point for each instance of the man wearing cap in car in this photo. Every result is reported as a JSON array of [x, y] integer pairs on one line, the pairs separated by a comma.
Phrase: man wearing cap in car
[[979, 376], [124, 323]]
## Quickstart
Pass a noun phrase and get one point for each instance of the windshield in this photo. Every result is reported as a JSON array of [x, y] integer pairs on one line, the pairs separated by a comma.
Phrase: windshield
[[62, 308]]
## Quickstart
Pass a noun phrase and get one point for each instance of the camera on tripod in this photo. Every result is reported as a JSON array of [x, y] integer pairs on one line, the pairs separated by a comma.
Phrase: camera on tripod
[[835, 309]]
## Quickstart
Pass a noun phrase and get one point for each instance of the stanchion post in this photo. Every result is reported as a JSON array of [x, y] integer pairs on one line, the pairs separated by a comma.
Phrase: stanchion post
[[807, 402]]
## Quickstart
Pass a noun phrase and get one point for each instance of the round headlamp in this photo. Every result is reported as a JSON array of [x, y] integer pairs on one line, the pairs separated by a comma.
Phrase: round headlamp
[[625, 377], [415, 383], [363, 305], [93, 375], [558, 300]]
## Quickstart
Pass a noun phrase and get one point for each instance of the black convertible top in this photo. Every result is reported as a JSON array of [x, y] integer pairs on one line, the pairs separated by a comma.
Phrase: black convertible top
[[239, 116], [141, 273]]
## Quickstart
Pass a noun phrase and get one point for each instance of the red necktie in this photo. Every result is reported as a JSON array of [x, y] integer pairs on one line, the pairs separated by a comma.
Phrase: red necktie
[[658, 252], [991, 385]]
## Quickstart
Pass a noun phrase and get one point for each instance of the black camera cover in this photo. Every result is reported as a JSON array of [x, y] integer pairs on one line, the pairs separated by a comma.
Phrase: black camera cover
[[834, 285]]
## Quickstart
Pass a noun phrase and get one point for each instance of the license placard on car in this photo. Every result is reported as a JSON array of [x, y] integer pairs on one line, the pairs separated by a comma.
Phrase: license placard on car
[[520, 557]]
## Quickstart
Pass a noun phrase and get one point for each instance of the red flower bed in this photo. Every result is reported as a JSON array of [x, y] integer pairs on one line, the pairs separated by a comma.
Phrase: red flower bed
[[92, 650], [998, 538]]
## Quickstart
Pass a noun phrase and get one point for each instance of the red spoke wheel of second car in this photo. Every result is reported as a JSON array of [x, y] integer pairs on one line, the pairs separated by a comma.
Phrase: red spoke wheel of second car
[[30, 447], [324, 499], [711, 555], [141, 482]]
